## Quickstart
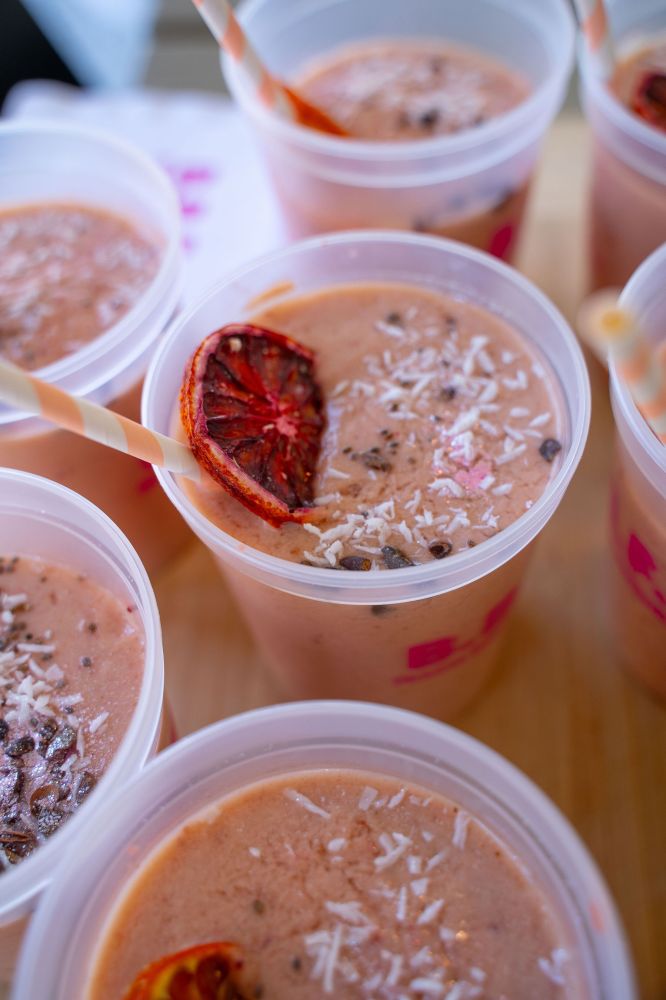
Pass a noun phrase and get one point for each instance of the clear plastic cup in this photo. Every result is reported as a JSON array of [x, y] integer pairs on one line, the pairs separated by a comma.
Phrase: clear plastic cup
[[43, 162], [472, 186], [61, 948], [424, 637], [41, 518], [627, 195], [638, 501]]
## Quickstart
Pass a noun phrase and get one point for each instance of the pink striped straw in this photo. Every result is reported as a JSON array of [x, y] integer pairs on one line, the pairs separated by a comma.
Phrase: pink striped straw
[[637, 366], [40, 399], [593, 21], [229, 35]]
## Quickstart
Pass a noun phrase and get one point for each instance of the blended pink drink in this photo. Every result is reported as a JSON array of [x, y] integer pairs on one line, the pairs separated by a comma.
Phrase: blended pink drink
[[373, 887], [627, 216], [447, 428], [88, 279], [330, 849], [444, 113], [638, 501], [81, 681]]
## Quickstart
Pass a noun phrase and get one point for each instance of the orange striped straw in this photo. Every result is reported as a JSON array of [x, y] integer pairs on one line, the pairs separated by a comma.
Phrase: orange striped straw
[[637, 366], [40, 399], [229, 35], [593, 21]]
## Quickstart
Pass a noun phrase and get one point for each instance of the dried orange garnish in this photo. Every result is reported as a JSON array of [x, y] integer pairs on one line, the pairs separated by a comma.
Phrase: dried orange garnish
[[253, 414], [205, 972]]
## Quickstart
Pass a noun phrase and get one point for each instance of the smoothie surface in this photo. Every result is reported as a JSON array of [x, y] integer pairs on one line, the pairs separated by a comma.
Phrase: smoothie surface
[[443, 427], [71, 668], [405, 90], [67, 273], [345, 884]]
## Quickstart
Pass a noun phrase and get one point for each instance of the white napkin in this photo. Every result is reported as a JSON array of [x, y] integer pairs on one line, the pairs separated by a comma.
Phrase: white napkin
[[201, 140]]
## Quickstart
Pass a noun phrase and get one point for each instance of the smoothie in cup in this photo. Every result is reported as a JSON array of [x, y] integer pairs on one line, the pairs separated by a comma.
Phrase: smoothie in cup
[[638, 501], [627, 212], [81, 676], [89, 277], [373, 811], [426, 635], [470, 88]]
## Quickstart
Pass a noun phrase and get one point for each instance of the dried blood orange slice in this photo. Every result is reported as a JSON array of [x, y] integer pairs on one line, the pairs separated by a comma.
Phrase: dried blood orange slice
[[205, 972], [650, 99], [253, 414]]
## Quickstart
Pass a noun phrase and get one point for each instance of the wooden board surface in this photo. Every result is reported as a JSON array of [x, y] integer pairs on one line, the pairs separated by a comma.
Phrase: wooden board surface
[[559, 706]]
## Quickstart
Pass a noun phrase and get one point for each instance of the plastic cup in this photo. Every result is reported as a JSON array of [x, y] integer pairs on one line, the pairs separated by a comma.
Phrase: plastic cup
[[228, 756], [627, 195], [424, 637], [41, 162], [472, 186], [638, 502], [43, 519]]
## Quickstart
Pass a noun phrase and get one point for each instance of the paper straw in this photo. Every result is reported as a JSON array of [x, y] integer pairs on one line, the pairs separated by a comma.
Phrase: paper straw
[[229, 35], [40, 399], [593, 21], [637, 366]]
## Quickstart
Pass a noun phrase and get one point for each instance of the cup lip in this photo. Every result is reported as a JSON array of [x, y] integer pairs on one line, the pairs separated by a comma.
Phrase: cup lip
[[595, 89], [341, 723], [632, 296], [23, 883], [166, 283], [470, 564], [472, 141]]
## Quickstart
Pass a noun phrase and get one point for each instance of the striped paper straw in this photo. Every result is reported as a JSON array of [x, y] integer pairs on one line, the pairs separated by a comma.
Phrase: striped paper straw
[[593, 21], [229, 35], [40, 399], [637, 366]]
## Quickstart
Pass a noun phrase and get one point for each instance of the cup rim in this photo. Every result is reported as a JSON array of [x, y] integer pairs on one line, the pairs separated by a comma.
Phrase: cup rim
[[165, 283], [595, 89], [470, 564], [632, 294], [336, 722], [473, 141], [22, 883]]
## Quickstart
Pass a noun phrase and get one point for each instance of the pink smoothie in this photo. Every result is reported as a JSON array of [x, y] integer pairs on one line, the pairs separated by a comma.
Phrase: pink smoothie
[[443, 427], [409, 91], [67, 274], [628, 204], [71, 668], [345, 884]]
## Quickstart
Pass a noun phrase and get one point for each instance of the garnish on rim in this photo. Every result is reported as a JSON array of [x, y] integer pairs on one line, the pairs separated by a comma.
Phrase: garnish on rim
[[253, 413], [204, 972], [650, 99]]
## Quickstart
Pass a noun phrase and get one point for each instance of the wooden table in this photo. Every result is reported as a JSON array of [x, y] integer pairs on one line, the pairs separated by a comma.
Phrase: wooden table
[[559, 707]]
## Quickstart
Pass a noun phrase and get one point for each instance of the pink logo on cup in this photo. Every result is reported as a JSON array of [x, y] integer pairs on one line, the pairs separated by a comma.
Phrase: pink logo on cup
[[500, 242], [637, 564], [451, 651]]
